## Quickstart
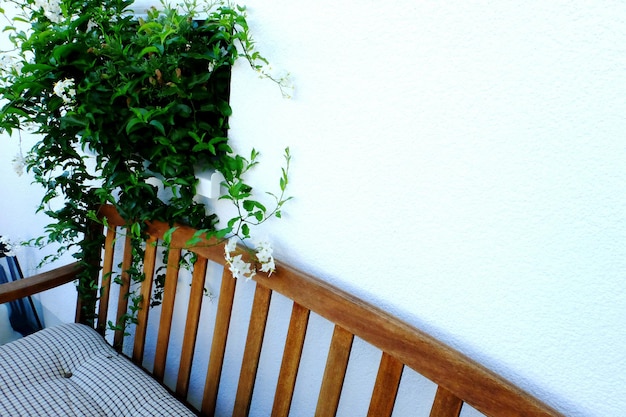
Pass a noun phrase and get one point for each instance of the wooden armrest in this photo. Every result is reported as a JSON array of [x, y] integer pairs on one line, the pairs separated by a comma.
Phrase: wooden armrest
[[37, 283]]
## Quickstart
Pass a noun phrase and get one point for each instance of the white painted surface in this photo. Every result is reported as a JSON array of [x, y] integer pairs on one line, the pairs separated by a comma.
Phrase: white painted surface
[[459, 163]]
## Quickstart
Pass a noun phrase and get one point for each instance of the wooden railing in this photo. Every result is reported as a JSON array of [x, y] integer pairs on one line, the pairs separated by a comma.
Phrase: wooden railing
[[459, 380]]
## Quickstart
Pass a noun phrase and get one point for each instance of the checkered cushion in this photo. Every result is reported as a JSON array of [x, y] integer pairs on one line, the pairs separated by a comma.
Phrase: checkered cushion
[[69, 370]]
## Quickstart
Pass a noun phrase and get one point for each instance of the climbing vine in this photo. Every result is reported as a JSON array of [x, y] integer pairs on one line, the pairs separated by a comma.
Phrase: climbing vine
[[129, 106]]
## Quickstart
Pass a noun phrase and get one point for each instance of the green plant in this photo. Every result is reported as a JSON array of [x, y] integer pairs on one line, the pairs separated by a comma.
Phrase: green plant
[[128, 107]]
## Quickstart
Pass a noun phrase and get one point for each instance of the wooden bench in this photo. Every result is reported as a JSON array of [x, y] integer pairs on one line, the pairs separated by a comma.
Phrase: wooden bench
[[459, 380]]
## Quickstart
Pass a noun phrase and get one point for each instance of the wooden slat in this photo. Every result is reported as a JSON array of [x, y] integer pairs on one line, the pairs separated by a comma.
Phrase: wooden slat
[[386, 387], [218, 346], [335, 372], [448, 368], [291, 361], [122, 303], [191, 326], [105, 285], [145, 292], [252, 351], [37, 283], [476, 385], [167, 312], [446, 404]]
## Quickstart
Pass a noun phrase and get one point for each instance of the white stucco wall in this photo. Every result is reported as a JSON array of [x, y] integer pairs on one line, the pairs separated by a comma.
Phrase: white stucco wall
[[462, 164]]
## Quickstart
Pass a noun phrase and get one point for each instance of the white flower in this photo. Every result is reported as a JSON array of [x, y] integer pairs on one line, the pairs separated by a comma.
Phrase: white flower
[[269, 267], [240, 268], [230, 247], [91, 25], [18, 164], [51, 9], [232, 244], [11, 65], [6, 62], [65, 90], [264, 256], [263, 251]]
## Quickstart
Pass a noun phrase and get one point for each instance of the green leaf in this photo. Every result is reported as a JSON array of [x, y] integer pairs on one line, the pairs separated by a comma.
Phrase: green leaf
[[63, 51], [195, 136], [167, 236], [135, 229], [73, 120], [193, 241], [14, 110], [183, 110], [133, 125], [199, 79], [250, 205], [225, 108], [158, 125], [149, 50], [221, 234], [150, 27]]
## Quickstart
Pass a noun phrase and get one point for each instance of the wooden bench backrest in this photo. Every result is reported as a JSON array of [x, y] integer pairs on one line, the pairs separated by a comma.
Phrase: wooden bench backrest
[[459, 379]]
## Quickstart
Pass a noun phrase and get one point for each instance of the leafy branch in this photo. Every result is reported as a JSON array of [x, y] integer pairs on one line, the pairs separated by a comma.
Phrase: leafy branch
[[127, 109]]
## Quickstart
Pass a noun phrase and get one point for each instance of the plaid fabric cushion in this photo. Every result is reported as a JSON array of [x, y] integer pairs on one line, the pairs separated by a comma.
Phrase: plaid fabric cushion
[[69, 370]]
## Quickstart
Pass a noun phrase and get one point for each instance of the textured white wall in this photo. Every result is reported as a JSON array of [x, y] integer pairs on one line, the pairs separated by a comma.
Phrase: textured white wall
[[459, 163]]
